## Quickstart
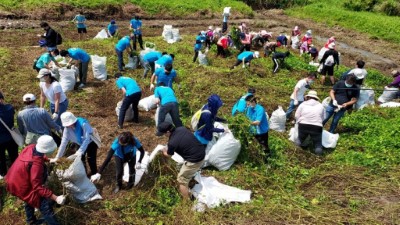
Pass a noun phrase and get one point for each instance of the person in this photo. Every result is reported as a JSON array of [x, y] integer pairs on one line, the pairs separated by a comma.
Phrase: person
[[166, 74], [297, 96], [328, 61], [269, 47], [344, 95], [394, 85], [242, 27], [209, 37], [78, 131], [164, 60], [123, 44], [165, 97], [241, 106], [26, 180], [359, 72], [51, 90], [205, 126], [43, 62], [136, 26], [149, 60], [309, 117], [80, 24], [307, 38], [259, 122], [245, 40], [132, 94], [183, 142], [51, 37], [222, 45], [278, 57], [225, 17], [82, 58], [396, 80], [281, 40], [329, 41], [313, 51], [200, 39], [112, 28], [6, 141], [296, 31], [34, 122], [245, 58], [124, 149]]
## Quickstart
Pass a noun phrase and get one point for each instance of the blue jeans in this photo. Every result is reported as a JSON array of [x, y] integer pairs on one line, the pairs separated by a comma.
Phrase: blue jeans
[[120, 56], [61, 109], [148, 66], [330, 111], [46, 208], [291, 108], [173, 109]]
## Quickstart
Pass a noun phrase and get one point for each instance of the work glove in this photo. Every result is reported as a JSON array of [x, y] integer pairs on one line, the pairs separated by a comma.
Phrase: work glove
[[95, 177], [386, 87], [60, 199], [53, 160], [54, 116], [73, 157], [138, 166], [243, 66], [151, 87], [295, 102], [334, 102]]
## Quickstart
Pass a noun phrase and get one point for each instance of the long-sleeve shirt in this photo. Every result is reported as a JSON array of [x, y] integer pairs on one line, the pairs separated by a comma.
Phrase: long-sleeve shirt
[[7, 115], [332, 52], [69, 135], [37, 120], [310, 112], [396, 82], [206, 123], [51, 38]]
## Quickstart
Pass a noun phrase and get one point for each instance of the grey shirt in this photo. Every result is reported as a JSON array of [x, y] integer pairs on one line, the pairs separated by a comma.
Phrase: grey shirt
[[35, 120]]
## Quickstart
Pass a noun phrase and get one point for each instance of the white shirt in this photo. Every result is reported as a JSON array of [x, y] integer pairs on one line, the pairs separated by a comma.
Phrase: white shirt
[[310, 112], [53, 89], [301, 85]]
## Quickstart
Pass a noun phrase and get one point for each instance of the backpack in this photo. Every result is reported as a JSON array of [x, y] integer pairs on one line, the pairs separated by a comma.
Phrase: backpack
[[58, 39], [329, 61], [196, 118]]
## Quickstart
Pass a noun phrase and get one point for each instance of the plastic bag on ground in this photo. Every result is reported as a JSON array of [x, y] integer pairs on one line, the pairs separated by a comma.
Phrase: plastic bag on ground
[[139, 172], [101, 35], [329, 140], [148, 103], [175, 35], [128, 113], [167, 33], [295, 42], [132, 62], [390, 104], [388, 95], [99, 67], [278, 120], [167, 117], [366, 98], [67, 79], [294, 134], [77, 183], [203, 59]]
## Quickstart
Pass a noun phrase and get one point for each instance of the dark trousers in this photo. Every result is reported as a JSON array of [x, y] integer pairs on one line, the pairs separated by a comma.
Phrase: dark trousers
[[196, 54], [220, 51], [238, 62], [119, 166], [224, 27], [244, 47], [83, 70], [263, 140], [173, 109], [120, 56], [208, 42], [133, 100], [91, 154], [315, 132], [46, 209], [12, 149], [138, 37], [276, 63]]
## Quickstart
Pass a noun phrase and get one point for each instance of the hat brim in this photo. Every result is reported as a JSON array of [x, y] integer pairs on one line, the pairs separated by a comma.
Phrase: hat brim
[[69, 124], [313, 96]]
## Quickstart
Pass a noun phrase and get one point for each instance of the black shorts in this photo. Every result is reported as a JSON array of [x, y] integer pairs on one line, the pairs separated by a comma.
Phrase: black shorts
[[82, 30], [327, 69]]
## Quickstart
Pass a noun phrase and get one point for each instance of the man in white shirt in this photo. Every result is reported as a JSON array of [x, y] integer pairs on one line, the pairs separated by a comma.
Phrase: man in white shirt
[[297, 96]]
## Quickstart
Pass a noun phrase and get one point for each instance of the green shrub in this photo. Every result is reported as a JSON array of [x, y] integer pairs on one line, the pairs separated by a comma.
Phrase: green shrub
[[360, 5], [390, 8]]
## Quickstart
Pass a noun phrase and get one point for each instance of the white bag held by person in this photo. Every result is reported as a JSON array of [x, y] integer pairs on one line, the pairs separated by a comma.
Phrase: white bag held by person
[[294, 134], [99, 67], [366, 98], [132, 62], [278, 120], [15, 134], [138, 172], [227, 11], [167, 117], [329, 140], [203, 59], [101, 35], [67, 79], [128, 113], [388, 95], [148, 103]]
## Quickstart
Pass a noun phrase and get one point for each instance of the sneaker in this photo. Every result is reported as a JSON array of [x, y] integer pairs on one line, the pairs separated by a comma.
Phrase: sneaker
[[81, 85], [116, 190]]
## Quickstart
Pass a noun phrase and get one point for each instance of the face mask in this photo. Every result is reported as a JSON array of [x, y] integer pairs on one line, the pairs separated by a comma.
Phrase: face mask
[[347, 85], [42, 79]]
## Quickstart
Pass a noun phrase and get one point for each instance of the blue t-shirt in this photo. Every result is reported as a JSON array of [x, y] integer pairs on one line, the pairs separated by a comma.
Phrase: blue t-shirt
[[129, 84], [165, 94], [152, 56], [120, 150], [164, 77], [112, 28], [81, 21], [199, 42], [78, 54], [225, 18], [136, 24], [123, 43], [240, 105], [44, 59], [258, 114], [247, 56], [164, 60]]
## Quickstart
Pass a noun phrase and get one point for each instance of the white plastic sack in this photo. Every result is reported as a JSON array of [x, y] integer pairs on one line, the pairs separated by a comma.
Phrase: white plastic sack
[[77, 183], [278, 120], [321, 53], [132, 62], [99, 67], [388, 95], [176, 157], [295, 42], [390, 104], [227, 11], [366, 98], [212, 193], [167, 117], [139, 172], [294, 134], [101, 35], [326, 102], [203, 59], [128, 113], [329, 140], [148, 103], [175, 35], [167, 33], [67, 79]]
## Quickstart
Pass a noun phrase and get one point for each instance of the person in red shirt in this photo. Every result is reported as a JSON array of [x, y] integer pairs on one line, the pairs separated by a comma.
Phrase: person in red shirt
[[26, 178], [222, 45]]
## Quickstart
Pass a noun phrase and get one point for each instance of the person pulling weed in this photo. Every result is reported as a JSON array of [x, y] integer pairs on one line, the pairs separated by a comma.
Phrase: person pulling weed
[[149, 60], [112, 28], [245, 58], [43, 62], [200, 39], [82, 58], [166, 74], [241, 106], [123, 44], [279, 58], [168, 103]]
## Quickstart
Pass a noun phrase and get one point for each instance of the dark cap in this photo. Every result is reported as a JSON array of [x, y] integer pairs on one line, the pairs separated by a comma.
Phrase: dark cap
[[163, 128]]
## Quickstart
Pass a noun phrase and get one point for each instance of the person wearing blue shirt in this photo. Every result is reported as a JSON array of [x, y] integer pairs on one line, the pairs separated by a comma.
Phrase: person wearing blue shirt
[[149, 60], [200, 39], [245, 58], [241, 106], [80, 24], [122, 44], [164, 60], [168, 104], [166, 74], [124, 149], [259, 122], [132, 94], [44, 60], [83, 59], [112, 28], [136, 26]]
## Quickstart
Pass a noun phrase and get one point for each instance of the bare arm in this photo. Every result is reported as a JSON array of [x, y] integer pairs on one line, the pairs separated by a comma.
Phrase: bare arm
[[57, 97], [42, 98]]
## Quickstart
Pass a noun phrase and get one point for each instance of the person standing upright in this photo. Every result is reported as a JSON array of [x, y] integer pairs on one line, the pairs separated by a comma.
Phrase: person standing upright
[[136, 26], [80, 24], [328, 61]]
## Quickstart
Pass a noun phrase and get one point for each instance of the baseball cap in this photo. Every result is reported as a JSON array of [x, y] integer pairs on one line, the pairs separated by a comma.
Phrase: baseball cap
[[28, 97], [163, 128], [43, 72]]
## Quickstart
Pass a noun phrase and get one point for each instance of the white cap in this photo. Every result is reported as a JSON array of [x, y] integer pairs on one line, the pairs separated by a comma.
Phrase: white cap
[[309, 32], [312, 94], [28, 97], [67, 119], [43, 72], [210, 27], [332, 45], [45, 144], [257, 54]]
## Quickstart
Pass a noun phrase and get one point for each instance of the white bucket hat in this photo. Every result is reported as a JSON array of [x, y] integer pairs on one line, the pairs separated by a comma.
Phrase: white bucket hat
[[312, 94], [67, 119], [309, 32], [43, 72], [28, 97], [45, 144], [257, 54]]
